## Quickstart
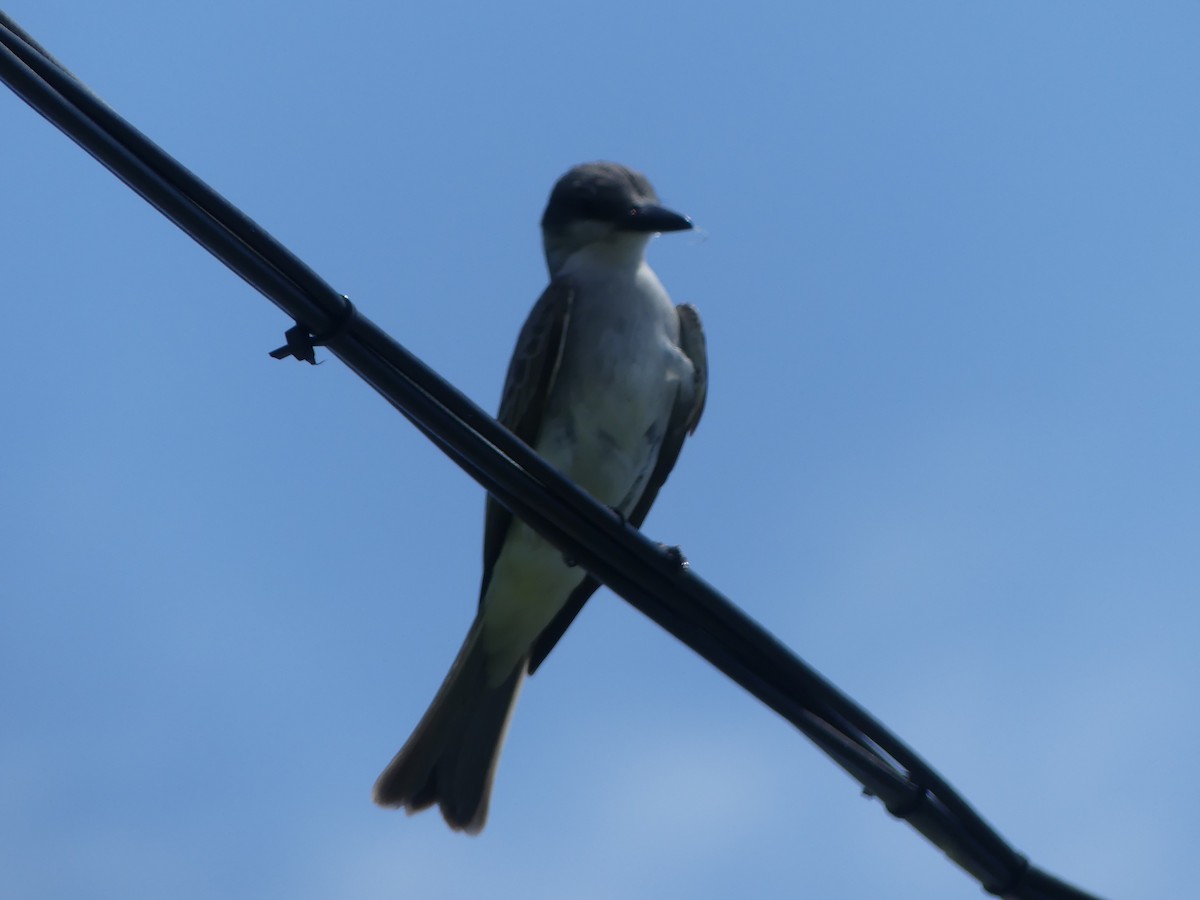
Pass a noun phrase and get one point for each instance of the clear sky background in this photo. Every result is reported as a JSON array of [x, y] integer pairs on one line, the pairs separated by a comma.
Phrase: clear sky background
[[949, 268]]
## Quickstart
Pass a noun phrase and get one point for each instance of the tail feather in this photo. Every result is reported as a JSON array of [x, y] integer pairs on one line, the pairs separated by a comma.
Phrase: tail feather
[[451, 757]]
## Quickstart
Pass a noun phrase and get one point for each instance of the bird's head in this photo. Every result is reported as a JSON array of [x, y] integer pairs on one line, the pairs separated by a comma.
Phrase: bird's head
[[603, 202]]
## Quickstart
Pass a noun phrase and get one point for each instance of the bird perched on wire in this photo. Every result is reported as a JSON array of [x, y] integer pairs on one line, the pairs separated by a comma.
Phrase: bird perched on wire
[[607, 379]]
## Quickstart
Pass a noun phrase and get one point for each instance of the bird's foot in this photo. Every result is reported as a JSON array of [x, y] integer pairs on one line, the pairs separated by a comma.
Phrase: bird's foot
[[676, 555]]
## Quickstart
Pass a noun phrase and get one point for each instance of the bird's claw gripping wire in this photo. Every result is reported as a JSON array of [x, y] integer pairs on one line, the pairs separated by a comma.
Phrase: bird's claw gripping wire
[[676, 555], [302, 341]]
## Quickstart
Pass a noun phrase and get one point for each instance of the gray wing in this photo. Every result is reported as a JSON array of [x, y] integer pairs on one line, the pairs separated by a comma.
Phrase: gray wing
[[532, 373], [685, 416]]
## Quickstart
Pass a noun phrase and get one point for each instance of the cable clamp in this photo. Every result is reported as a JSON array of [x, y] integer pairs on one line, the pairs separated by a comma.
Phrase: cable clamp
[[302, 342]]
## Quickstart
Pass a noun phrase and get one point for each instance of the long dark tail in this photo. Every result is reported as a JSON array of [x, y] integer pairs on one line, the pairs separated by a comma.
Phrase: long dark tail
[[451, 757]]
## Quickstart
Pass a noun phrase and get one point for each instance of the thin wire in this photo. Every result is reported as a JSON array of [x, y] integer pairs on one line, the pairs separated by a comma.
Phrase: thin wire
[[634, 567]]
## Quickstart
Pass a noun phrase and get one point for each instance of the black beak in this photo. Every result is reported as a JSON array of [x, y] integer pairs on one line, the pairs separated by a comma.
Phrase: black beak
[[650, 218]]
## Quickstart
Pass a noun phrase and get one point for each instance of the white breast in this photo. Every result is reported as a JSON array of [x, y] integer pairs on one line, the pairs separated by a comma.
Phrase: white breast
[[620, 374]]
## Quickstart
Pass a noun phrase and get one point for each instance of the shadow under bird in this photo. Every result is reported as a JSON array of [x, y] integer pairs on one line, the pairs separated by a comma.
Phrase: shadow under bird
[[607, 379]]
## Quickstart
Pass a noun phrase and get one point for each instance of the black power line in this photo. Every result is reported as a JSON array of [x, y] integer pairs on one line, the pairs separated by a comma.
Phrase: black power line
[[648, 576]]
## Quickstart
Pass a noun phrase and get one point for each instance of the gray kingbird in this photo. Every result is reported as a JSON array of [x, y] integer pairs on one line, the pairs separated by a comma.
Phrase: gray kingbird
[[607, 379]]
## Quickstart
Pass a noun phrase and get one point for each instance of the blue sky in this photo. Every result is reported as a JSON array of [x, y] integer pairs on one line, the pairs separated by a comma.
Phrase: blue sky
[[949, 272]]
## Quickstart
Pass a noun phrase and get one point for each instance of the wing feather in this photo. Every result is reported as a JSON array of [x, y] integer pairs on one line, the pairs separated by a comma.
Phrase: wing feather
[[532, 373]]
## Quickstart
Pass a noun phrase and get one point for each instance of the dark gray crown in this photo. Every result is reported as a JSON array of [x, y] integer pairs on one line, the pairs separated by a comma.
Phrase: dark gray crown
[[604, 191]]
